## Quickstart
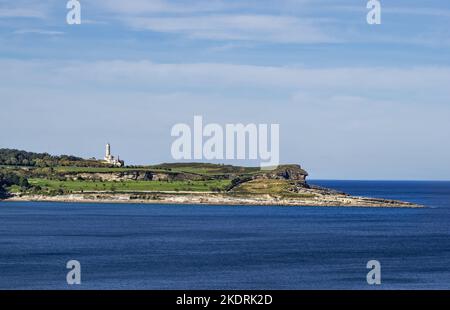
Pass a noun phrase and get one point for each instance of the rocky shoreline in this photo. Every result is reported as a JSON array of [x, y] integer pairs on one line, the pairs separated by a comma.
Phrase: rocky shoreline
[[189, 183], [324, 199]]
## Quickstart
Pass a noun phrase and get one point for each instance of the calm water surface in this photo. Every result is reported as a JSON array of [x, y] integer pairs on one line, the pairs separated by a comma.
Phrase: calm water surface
[[130, 246]]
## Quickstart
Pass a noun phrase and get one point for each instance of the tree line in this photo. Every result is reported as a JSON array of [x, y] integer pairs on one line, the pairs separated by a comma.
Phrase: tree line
[[11, 157], [8, 179]]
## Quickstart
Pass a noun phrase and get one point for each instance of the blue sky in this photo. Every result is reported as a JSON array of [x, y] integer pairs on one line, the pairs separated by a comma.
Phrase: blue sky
[[353, 101]]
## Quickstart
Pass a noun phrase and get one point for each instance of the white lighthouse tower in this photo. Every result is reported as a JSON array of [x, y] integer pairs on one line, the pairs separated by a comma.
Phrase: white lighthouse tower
[[108, 152], [109, 159]]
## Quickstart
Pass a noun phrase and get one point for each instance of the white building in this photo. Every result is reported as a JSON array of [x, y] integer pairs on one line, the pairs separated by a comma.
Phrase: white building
[[109, 159]]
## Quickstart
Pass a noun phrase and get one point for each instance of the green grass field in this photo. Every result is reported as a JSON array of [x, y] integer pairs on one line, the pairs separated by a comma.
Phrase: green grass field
[[201, 169], [63, 169], [275, 188], [78, 186]]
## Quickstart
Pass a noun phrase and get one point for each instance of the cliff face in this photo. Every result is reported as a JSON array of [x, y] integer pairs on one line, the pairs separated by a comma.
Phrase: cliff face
[[132, 176], [292, 173], [285, 172]]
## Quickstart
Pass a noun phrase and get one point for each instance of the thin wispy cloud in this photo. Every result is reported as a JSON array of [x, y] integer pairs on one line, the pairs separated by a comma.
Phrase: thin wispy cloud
[[21, 13], [316, 67], [417, 11], [288, 22], [39, 32], [262, 28], [144, 75], [394, 10], [396, 113], [25, 9], [217, 20], [140, 7]]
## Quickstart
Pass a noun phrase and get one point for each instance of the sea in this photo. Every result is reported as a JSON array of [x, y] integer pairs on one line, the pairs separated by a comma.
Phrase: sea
[[186, 247]]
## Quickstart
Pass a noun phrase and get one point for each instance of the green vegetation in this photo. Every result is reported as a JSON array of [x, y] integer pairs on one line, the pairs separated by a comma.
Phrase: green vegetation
[[74, 169], [85, 186], [40, 173], [274, 188], [9, 157], [11, 180], [72, 164], [206, 169]]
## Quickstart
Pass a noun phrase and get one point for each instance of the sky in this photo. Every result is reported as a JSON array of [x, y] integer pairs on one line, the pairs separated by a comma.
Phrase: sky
[[353, 100]]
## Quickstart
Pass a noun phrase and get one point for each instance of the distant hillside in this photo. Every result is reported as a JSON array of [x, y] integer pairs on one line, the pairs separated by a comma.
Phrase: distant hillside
[[64, 164], [11, 157], [23, 172], [27, 176], [206, 168]]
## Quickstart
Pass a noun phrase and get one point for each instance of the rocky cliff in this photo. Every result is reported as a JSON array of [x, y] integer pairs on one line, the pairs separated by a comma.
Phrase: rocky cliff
[[285, 172]]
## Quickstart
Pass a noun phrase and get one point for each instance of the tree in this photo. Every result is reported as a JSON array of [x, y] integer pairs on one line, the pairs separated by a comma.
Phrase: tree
[[8, 179]]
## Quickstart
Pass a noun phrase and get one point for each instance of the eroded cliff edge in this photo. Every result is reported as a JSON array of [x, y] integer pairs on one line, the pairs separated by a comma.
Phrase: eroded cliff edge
[[284, 186]]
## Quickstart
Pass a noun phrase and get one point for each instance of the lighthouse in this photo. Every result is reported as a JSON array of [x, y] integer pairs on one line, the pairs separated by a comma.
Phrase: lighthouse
[[109, 159], [108, 151]]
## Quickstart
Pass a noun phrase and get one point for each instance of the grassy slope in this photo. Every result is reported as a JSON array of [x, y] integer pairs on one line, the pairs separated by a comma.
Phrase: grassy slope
[[194, 168], [47, 175], [274, 188], [77, 186], [102, 169]]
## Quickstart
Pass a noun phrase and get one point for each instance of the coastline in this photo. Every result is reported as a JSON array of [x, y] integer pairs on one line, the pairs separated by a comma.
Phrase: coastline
[[337, 200]]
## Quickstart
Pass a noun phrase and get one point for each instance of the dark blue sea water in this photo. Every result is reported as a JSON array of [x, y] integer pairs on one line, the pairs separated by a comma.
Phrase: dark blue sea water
[[129, 246]]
